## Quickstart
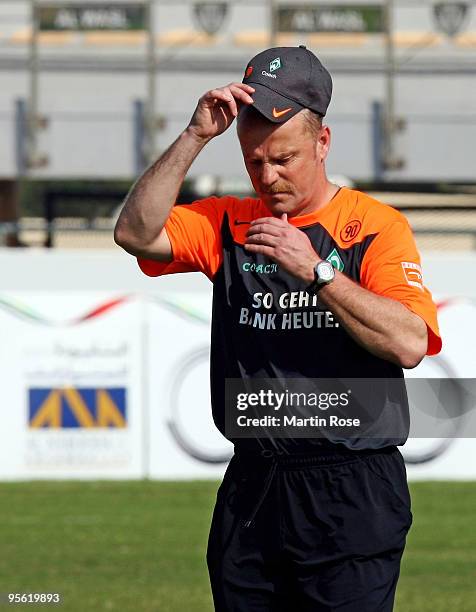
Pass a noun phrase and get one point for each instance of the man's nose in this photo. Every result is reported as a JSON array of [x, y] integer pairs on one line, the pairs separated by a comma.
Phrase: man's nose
[[268, 175]]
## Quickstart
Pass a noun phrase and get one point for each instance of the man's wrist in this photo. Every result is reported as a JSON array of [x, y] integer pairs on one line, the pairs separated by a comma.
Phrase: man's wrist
[[190, 134], [310, 271], [324, 275]]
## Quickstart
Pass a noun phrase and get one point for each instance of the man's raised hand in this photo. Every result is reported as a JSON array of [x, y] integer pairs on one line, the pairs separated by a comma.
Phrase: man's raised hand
[[217, 109]]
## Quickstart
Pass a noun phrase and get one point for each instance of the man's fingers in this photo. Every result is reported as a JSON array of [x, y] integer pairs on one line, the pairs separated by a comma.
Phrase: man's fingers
[[236, 97], [269, 220], [263, 239], [243, 86], [222, 96], [231, 101], [225, 95], [246, 88], [231, 94], [215, 93], [241, 95], [265, 228], [238, 87], [260, 248]]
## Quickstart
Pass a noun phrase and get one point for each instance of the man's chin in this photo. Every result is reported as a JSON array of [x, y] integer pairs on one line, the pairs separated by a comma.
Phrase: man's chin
[[278, 203]]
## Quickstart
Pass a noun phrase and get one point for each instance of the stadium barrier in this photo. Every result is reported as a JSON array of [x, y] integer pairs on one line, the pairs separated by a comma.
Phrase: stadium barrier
[[105, 371]]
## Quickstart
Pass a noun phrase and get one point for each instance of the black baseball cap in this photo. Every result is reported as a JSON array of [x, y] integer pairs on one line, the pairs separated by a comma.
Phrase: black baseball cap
[[286, 80]]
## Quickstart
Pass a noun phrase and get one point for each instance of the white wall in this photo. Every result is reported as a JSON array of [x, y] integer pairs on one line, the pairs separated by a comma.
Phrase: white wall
[[90, 320]]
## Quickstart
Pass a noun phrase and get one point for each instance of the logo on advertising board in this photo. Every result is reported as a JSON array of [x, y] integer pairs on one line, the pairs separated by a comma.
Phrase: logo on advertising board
[[210, 16], [451, 16], [330, 18], [77, 408], [107, 16]]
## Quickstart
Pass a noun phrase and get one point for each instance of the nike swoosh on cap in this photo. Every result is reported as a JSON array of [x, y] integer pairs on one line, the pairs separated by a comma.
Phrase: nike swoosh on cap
[[280, 113]]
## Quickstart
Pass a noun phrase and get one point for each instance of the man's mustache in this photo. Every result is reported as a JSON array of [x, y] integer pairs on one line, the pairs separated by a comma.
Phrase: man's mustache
[[279, 188]]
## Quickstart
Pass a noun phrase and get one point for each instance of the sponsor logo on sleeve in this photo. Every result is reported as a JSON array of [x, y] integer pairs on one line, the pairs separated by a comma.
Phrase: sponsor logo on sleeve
[[413, 274]]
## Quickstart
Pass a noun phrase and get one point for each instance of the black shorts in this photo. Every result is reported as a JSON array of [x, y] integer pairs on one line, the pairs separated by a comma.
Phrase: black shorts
[[302, 533]]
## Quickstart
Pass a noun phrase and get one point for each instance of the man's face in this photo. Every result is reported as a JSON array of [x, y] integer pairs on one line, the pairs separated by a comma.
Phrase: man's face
[[283, 161]]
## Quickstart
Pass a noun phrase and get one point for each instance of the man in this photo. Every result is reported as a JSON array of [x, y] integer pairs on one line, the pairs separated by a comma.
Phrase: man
[[313, 523]]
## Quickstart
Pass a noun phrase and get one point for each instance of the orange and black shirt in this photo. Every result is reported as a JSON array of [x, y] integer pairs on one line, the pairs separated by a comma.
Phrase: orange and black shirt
[[265, 322]]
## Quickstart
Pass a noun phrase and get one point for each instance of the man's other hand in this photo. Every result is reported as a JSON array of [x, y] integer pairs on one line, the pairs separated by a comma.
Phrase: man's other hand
[[217, 109], [283, 243]]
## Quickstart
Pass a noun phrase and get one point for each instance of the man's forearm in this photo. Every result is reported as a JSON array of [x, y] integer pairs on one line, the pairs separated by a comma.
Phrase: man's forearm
[[151, 198], [382, 325]]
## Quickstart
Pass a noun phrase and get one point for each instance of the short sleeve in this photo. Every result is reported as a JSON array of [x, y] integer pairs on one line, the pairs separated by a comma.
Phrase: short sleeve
[[194, 231], [391, 267]]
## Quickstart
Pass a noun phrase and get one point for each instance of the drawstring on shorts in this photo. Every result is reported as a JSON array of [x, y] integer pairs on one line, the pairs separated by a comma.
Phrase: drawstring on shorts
[[279, 458]]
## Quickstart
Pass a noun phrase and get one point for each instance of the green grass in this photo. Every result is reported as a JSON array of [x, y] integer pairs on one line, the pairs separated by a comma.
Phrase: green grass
[[439, 564], [140, 546]]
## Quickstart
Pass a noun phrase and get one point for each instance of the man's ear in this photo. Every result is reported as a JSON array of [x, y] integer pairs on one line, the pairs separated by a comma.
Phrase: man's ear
[[323, 143]]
